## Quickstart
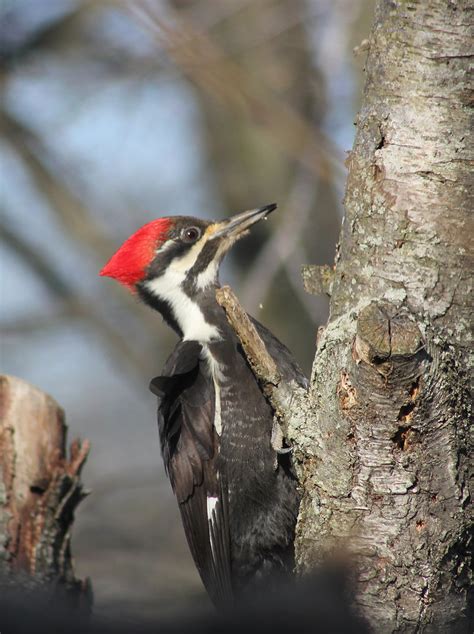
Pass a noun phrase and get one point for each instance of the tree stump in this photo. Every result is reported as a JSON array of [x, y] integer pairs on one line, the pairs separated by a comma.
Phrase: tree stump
[[40, 489]]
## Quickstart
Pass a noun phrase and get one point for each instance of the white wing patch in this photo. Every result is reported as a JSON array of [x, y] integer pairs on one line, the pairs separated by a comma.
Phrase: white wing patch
[[211, 505]]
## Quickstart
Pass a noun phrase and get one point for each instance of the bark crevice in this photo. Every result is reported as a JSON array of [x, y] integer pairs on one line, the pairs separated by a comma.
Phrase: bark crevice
[[384, 455]]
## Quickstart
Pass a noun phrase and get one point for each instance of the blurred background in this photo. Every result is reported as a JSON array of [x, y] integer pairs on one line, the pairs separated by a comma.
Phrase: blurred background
[[113, 114]]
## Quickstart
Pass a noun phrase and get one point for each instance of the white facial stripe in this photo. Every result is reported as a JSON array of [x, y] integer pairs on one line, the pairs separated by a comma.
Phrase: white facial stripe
[[168, 287], [182, 265], [188, 314], [166, 245], [208, 276]]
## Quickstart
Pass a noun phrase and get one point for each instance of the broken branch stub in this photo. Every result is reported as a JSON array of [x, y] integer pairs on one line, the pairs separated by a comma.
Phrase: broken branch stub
[[262, 364], [280, 393]]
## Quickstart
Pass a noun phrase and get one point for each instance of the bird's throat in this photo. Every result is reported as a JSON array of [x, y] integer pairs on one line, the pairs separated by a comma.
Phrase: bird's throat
[[194, 317]]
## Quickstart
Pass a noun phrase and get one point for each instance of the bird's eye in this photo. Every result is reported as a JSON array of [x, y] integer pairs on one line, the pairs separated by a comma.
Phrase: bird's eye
[[190, 234]]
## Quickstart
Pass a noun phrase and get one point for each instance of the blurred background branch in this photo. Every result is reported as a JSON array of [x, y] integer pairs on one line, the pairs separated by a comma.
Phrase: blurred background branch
[[78, 222], [73, 306], [212, 70]]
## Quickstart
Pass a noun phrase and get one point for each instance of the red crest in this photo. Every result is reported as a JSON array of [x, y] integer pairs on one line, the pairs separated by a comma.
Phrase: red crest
[[128, 265]]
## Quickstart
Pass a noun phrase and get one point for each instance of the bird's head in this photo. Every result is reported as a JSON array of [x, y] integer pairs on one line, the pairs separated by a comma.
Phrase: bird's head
[[179, 256]]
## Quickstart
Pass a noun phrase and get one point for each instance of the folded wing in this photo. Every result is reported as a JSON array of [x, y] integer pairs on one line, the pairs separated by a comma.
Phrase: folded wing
[[189, 445]]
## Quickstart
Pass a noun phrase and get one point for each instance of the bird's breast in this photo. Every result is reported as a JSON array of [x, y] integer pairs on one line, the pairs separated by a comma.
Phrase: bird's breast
[[243, 418]]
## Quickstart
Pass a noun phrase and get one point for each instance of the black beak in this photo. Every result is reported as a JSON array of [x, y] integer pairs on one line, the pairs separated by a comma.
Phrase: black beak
[[236, 225]]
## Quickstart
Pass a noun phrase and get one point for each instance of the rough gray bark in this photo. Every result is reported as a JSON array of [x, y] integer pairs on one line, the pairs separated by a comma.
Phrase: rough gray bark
[[40, 488], [383, 450]]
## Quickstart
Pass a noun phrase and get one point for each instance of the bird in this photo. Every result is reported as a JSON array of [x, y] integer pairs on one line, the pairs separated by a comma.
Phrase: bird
[[236, 488]]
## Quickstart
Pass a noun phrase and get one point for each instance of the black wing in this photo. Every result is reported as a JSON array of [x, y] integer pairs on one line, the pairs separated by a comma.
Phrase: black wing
[[189, 445], [289, 369]]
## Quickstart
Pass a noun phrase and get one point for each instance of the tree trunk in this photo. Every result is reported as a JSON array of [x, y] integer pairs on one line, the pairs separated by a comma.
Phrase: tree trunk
[[39, 491], [383, 454]]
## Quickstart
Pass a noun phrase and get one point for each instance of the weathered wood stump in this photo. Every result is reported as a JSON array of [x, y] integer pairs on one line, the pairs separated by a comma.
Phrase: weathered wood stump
[[40, 488]]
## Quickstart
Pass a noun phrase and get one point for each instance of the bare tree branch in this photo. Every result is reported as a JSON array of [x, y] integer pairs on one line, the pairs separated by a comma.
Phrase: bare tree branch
[[36, 322], [281, 394], [68, 208], [221, 77]]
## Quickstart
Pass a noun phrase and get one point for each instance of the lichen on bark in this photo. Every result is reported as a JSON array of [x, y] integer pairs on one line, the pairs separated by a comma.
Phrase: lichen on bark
[[383, 455]]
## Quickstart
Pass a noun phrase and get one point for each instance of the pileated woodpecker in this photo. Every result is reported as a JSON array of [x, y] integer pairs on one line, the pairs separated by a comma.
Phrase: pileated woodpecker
[[235, 488]]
